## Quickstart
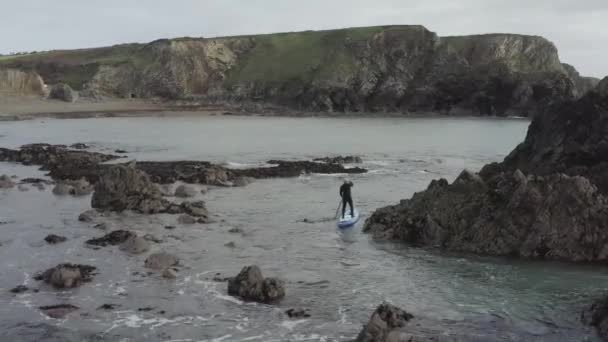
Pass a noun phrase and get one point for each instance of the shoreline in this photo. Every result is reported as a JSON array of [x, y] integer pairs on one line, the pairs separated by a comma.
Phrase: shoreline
[[28, 108]]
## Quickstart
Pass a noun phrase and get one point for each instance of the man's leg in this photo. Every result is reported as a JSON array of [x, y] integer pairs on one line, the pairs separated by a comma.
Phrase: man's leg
[[350, 203], [343, 207]]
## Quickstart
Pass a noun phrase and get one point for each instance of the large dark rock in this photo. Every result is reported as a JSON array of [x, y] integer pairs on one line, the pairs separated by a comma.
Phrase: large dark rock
[[63, 92], [249, 284], [596, 315], [286, 168], [54, 239], [384, 325], [67, 275], [340, 160], [123, 187], [555, 209]]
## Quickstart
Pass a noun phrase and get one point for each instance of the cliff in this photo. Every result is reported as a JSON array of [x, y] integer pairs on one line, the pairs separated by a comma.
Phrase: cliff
[[546, 200], [16, 82], [370, 69]]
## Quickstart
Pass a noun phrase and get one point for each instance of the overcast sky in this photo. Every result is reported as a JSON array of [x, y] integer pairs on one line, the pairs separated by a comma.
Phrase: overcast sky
[[579, 28]]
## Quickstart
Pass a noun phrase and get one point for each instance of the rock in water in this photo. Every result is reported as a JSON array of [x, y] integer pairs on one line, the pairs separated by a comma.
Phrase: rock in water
[[58, 311], [547, 200], [596, 315], [54, 239], [79, 146], [87, 216], [63, 92], [135, 245], [161, 261], [67, 275], [340, 160], [6, 182], [197, 209], [249, 284], [185, 191], [243, 181], [385, 320], [169, 273], [126, 188], [62, 189], [297, 313], [186, 219], [23, 187], [114, 238]]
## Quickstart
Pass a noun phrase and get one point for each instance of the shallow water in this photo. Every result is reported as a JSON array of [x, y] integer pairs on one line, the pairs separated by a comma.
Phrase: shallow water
[[340, 276]]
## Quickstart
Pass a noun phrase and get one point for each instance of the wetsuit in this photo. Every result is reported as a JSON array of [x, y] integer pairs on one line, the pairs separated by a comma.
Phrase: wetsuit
[[346, 198]]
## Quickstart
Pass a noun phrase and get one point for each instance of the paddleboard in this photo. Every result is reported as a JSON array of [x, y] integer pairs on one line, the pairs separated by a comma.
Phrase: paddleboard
[[348, 221]]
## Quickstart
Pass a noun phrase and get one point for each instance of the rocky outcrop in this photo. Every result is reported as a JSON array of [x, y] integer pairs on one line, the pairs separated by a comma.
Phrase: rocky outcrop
[[340, 160], [17, 82], [249, 284], [370, 69], [67, 275], [185, 191], [124, 187], [63, 92], [384, 325], [6, 182], [546, 200]]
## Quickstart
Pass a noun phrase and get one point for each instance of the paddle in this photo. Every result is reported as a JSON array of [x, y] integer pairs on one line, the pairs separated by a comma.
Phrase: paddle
[[338, 210]]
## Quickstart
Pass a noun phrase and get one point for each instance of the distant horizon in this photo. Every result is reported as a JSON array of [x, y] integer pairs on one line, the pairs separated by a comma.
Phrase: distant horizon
[[576, 29]]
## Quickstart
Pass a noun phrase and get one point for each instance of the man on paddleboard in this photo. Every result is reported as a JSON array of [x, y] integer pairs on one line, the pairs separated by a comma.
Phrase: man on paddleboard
[[346, 197]]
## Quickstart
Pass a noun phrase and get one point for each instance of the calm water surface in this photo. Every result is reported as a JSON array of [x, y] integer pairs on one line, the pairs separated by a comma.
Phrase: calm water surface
[[340, 277]]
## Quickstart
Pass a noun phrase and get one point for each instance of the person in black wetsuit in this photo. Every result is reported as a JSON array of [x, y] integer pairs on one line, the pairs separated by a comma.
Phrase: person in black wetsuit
[[347, 197]]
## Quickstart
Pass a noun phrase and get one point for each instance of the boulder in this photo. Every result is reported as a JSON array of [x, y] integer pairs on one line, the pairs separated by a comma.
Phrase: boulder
[[114, 238], [135, 245], [185, 191], [54, 239], [58, 311], [161, 261], [63, 92], [19, 289], [385, 322], [249, 284], [169, 273], [80, 187], [67, 275], [123, 187], [23, 187], [297, 313]]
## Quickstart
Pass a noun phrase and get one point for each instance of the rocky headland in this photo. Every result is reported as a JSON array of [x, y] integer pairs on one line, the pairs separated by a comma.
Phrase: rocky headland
[[546, 200], [398, 69]]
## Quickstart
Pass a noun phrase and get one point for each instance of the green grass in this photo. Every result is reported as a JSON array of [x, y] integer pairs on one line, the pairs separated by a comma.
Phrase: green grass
[[301, 56]]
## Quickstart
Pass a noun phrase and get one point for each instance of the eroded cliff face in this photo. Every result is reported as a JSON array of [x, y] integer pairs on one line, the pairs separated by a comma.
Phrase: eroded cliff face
[[16, 82], [371, 69]]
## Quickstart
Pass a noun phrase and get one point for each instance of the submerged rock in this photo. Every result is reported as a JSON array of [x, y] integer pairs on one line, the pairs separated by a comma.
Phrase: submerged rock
[[596, 315], [186, 219], [297, 313], [161, 261], [23, 187], [249, 284], [126, 188], [185, 191], [113, 238], [67, 275], [135, 245], [54, 239], [58, 311], [6, 182], [340, 160], [19, 289], [384, 325], [108, 307], [88, 216]]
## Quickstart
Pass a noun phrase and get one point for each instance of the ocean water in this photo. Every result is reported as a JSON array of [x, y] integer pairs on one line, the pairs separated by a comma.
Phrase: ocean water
[[288, 230]]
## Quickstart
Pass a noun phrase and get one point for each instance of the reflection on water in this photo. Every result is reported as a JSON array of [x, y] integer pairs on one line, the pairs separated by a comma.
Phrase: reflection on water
[[288, 229]]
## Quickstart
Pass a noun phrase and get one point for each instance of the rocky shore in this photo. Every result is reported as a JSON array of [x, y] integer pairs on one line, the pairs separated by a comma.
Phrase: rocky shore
[[546, 200]]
